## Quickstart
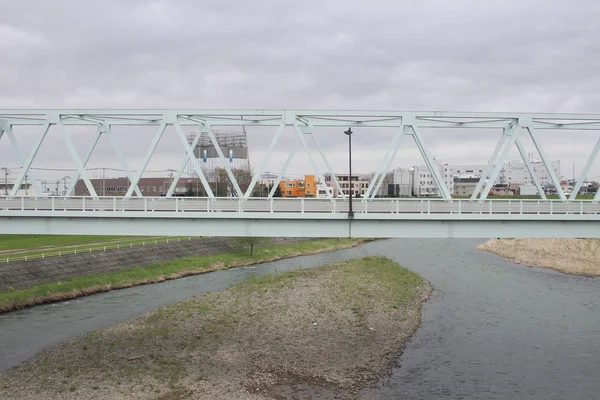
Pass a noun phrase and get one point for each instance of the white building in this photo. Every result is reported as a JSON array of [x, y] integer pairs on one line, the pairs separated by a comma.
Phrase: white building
[[516, 172], [358, 183], [26, 189], [513, 172], [424, 182]]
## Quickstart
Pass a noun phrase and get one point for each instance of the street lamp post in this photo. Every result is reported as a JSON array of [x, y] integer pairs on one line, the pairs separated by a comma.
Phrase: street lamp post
[[349, 134]]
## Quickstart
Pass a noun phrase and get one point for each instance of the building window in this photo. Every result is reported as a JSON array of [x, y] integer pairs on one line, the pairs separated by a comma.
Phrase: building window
[[289, 192], [154, 188]]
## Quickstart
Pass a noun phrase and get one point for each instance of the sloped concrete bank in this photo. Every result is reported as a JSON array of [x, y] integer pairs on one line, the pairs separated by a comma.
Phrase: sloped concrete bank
[[24, 274]]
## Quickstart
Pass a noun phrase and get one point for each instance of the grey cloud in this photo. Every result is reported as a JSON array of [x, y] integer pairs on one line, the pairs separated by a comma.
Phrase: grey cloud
[[459, 55]]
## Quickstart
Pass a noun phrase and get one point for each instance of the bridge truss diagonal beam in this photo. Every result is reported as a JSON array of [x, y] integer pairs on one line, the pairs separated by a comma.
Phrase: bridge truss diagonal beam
[[386, 162], [301, 134], [549, 168], [265, 160], [429, 161], [490, 165], [512, 134], [78, 163], [19, 152], [107, 130], [284, 168], [29, 160], [585, 171], [183, 164], [155, 141], [75, 178], [532, 173], [190, 155]]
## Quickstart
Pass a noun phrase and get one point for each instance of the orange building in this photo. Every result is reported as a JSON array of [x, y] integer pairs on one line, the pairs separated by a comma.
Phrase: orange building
[[306, 187]]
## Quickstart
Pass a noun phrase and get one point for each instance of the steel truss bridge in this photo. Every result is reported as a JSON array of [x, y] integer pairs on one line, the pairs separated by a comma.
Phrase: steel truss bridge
[[243, 215]]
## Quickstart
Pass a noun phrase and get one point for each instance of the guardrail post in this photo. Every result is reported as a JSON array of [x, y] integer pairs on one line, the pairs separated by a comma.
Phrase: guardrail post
[[459, 207], [398, 206], [366, 210], [521, 207], [490, 206], [239, 205], [271, 204], [333, 209], [302, 205], [428, 206], [552, 208], [22, 204], [53, 203], [538, 206], [176, 204], [114, 204], [83, 204], [581, 207]]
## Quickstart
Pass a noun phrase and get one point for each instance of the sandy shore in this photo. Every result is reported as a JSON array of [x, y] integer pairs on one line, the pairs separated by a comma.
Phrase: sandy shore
[[572, 256], [325, 332]]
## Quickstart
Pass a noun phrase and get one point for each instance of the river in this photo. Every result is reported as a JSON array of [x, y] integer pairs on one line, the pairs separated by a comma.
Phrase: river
[[491, 330]]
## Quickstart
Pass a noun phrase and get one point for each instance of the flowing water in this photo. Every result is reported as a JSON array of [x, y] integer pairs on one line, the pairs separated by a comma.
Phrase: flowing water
[[491, 330]]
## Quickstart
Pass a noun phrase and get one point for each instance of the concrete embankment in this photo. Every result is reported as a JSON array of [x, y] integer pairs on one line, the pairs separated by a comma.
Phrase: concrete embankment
[[22, 274], [572, 256], [324, 332]]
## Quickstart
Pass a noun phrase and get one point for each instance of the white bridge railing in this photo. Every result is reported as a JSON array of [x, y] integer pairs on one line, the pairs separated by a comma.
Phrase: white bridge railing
[[296, 205]]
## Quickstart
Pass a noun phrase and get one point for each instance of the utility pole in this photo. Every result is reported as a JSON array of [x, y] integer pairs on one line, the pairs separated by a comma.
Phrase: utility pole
[[349, 134], [6, 173]]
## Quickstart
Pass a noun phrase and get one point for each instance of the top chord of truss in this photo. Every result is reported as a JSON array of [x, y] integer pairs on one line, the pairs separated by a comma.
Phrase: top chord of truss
[[265, 117]]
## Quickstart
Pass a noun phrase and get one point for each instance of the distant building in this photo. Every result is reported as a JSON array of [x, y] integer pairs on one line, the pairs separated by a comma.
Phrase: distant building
[[233, 145], [424, 183], [26, 188], [306, 187], [402, 184], [359, 184], [148, 186], [465, 186]]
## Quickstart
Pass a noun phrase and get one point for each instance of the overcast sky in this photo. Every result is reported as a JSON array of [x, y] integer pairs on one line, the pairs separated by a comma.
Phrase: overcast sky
[[505, 55]]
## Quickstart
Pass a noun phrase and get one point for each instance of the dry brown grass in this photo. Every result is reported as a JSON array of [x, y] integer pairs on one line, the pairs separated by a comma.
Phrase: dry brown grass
[[332, 329], [572, 256]]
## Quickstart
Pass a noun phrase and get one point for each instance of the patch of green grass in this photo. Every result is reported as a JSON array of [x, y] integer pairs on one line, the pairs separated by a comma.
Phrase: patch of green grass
[[28, 242], [88, 284]]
